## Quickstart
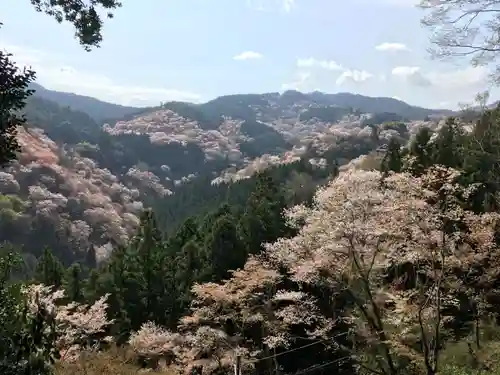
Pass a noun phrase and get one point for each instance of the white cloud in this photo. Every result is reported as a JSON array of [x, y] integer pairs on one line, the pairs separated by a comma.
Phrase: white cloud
[[248, 55], [391, 47], [311, 62], [55, 74], [288, 5], [469, 78], [405, 71], [411, 75], [299, 82], [271, 5], [356, 76]]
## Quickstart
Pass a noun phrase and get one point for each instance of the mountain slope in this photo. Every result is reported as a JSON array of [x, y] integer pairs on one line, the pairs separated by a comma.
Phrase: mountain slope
[[78, 185], [95, 108], [367, 104], [239, 105]]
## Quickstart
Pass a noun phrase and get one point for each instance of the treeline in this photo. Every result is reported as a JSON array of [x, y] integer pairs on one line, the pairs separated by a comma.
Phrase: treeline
[[151, 278]]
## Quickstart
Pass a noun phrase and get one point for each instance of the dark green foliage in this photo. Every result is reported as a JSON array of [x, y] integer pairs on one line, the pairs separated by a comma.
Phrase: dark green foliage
[[62, 124], [74, 283], [265, 140], [13, 94], [421, 151], [49, 270], [224, 249], [101, 112], [84, 17], [206, 120], [263, 220], [27, 345], [400, 127], [449, 144], [381, 117], [392, 158]]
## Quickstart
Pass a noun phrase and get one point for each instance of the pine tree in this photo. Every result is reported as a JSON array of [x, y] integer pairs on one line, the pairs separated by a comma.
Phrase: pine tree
[[224, 248], [74, 283], [263, 219], [420, 152], [482, 160], [49, 270], [123, 297], [189, 263], [448, 145], [90, 258], [392, 158]]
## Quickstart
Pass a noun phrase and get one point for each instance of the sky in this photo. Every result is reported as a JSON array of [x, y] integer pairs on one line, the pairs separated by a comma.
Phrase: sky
[[195, 50]]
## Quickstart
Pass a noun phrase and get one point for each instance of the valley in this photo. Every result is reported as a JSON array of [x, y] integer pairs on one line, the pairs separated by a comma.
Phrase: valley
[[79, 183]]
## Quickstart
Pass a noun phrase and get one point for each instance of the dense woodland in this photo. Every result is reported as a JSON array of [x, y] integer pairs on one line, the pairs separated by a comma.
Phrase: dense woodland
[[384, 264], [424, 225]]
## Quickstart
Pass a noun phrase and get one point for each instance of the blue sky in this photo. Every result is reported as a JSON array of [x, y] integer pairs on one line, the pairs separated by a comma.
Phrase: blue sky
[[195, 50]]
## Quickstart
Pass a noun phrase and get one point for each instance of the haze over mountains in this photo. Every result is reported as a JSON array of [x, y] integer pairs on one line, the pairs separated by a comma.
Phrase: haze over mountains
[[100, 110]]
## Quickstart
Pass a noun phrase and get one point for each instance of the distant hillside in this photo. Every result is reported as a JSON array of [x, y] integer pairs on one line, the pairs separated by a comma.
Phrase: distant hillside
[[95, 108], [368, 104], [75, 175], [241, 106]]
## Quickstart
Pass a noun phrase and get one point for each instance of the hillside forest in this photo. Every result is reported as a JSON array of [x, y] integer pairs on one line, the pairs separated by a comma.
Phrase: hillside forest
[[277, 233]]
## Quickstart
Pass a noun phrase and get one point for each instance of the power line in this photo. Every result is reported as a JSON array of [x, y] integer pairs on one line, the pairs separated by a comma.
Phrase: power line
[[312, 368], [291, 350]]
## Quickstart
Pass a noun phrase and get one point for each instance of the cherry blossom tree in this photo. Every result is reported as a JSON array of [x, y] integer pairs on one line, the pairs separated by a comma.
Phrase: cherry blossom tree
[[76, 327], [464, 29], [394, 247]]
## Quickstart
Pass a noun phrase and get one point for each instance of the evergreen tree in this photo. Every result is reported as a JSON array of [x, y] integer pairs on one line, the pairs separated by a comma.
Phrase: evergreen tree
[[482, 161], [448, 145], [392, 158], [224, 249], [189, 263], [49, 270], [90, 258], [13, 94], [123, 297], [420, 152], [74, 283], [263, 219]]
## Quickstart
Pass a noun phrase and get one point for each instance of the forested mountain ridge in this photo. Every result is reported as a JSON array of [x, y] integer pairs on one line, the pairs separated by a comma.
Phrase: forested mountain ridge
[[95, 108], [232, 136], [226, 105], [76, 176]]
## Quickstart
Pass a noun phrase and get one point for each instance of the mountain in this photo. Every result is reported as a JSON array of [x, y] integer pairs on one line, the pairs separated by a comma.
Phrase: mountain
[[229, 137], [229, 105], [367, 104], [95, 108], [79, 184]]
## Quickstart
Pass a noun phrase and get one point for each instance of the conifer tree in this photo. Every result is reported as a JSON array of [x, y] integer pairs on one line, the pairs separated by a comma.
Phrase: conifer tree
[[482, 160], [224, 249], [263, 219], [49, 270], [188, 269], [448, 145], [420, 152], [392, 158], [74, 283]]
